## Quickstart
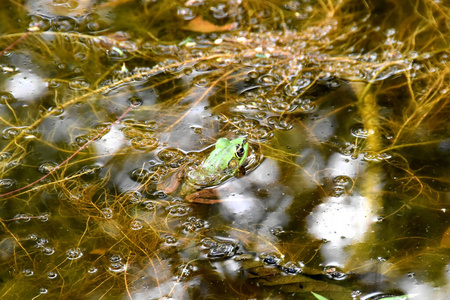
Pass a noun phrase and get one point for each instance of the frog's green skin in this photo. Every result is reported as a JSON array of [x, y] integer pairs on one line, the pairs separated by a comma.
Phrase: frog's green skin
[[222, 164]]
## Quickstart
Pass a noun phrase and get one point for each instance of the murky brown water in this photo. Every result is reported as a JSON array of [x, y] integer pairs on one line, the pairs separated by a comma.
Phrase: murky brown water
[[345, 106]]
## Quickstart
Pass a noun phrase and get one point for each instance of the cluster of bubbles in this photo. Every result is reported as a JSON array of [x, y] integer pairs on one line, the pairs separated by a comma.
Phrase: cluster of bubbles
[[136, 225], [74, 253], [342, 186], [219, 248], [274, 260], [7, 184], [11, 133], [194, 224], [217, 10], [116, 263], [186, 270], [178, 210], [170, 240], [170, 159], [97, 132], [42, 243], [88, 23], [142, 135], [135, 199], [107, 213]]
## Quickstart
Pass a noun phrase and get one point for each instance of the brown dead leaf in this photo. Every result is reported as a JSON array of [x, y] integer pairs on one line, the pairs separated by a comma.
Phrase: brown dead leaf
[[445, 241], [199, 24]]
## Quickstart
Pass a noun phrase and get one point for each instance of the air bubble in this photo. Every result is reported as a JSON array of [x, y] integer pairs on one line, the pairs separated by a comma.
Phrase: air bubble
[[170, 155], [115, 258], [372, 156], [356, 294], [342, 180], [136, 225], [338, 191], [348, 149], [79, 84], [149, 205], [27, 272], [11, 132], [201, 81], [187, 270], [361, 132], [24, 218], [307, 106], [270, 258], [52, 275], [219, 11], [107, 213], [32, 237], [170, 240], [390, 32], [222, 250], [185, 13], [5, 156], [94, 26], [280, 107], [141, 175], [80, 56], [48, 250], [38, 23], [334, 273], [292, 268], [64, 24], [269, 80], [6, 97], [178, 210], [47, 167], [74, 253], [117, 267], [41, 242], [194, 224], [207, 243], [295, 88], [134, 197], [90, 172], [146, 144], [252, 75], [82, 140], [135, 101]]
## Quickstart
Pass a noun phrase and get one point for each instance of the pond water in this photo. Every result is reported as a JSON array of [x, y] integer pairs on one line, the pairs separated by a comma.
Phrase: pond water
[[344, 191]]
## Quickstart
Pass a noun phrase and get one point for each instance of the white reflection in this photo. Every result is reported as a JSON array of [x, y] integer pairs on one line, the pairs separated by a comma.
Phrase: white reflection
[[26, 86], [341, 165], [341, 221], [198, 116], [109, 144], [424, 290], [244, 208], [106, 148]]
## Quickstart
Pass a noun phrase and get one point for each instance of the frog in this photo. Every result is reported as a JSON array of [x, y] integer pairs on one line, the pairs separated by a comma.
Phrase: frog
[[224, 162]]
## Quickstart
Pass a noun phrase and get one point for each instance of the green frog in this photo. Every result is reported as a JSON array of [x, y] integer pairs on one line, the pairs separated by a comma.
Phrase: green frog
[[224, 162]]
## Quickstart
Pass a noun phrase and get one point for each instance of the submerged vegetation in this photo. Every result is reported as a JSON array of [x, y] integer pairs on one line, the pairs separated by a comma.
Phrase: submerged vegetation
[[344, 104]]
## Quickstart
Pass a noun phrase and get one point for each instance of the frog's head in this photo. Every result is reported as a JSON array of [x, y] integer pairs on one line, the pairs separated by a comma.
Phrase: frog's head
[[225, 160], [233, 152]]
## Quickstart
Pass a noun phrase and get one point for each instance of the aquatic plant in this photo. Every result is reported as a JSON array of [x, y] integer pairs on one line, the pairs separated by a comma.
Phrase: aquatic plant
[[345, 106]]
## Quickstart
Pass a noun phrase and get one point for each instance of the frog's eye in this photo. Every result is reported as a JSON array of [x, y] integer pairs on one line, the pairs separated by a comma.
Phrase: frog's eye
[[239, 151]]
